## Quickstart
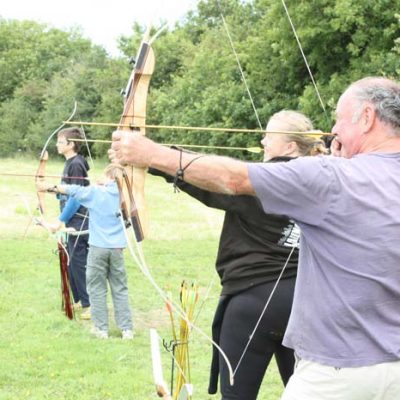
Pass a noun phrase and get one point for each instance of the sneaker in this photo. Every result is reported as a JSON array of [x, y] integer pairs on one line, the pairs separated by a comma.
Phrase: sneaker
[[127, 334], [85, 313], [77, 306], [99, 333]]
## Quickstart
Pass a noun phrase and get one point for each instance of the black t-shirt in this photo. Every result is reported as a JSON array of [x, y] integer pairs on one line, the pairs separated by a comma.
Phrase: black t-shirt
[[254, 246], [75, 168]]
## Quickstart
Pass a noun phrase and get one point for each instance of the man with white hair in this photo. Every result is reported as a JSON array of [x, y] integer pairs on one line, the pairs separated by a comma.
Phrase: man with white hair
[[345, 322]]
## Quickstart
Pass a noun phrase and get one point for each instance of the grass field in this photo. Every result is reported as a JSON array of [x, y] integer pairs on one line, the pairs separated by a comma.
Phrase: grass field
[[45, 356]]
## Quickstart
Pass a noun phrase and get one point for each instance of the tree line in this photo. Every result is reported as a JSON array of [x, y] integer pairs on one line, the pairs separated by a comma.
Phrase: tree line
[[197, 80]]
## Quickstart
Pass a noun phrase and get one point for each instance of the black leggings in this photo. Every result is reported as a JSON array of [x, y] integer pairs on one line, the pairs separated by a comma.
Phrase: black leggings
[[240, 317]]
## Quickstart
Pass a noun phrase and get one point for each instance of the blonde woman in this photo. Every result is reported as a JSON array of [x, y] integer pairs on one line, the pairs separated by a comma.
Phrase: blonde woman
[[291, 145]]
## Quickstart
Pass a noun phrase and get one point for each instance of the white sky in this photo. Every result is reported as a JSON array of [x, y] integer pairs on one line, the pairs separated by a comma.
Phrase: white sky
[[102, 21]]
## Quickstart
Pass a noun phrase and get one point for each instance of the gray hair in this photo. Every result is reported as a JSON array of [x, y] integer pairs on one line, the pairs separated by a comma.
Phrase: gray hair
[[384, 95]]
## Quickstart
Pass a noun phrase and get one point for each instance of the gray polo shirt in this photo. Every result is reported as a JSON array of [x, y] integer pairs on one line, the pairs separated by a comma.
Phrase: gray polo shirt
[[346, 310]]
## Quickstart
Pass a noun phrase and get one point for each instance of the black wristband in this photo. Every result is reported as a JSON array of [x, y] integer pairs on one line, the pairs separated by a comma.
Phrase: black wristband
[[179, 175]]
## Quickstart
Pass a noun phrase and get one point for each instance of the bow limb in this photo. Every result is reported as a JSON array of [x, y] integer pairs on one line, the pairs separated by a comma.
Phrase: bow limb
[[129, 215], [44, 156], [134, 114], [244, 80], [58, 129], [314, 83], [39, 178]]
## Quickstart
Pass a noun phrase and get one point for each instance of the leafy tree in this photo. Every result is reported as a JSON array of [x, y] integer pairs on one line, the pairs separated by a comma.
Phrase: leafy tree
[[197, 81], [16, 116]]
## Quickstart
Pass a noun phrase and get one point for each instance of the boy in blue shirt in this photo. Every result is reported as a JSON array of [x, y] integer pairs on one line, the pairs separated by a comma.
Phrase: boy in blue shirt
[[106, 243]]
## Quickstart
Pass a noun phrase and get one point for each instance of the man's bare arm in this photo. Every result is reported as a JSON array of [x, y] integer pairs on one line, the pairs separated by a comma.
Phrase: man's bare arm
[[213, 173]]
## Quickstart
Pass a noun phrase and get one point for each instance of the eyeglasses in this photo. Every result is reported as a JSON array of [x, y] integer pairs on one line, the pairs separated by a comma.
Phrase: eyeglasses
[[61, 142]]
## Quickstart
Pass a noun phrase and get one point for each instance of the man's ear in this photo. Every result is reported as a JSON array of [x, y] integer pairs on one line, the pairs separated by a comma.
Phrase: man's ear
[[368, 118]]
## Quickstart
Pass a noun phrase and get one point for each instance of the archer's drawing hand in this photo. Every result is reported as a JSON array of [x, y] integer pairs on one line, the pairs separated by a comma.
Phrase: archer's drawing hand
[[336, 147], [131, 149]]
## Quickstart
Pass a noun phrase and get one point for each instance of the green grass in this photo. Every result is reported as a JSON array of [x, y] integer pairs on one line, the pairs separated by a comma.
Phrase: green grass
[[45, 356]]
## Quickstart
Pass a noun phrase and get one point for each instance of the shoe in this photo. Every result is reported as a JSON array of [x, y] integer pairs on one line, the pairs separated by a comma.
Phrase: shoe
[[85, 313], [77, 306], [99, 333], [127, 334]]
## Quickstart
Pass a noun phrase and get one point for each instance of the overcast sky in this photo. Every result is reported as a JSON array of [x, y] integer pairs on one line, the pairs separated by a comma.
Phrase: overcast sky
[[101, 20]]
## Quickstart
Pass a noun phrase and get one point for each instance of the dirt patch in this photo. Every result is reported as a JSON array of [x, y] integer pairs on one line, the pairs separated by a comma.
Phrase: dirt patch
[[157, 318]]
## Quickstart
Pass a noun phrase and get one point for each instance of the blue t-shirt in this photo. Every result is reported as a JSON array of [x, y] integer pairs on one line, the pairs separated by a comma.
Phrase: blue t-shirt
[[105, 226], [346, 310]]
